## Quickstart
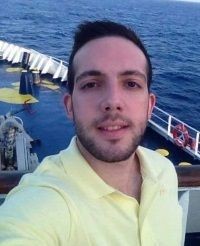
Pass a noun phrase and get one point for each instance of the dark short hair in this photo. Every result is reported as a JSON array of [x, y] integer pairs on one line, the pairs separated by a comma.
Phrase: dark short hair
[[88, 31]]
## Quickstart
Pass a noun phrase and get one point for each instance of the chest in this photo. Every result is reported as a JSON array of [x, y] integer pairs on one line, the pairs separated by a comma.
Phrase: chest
[[105, 222]]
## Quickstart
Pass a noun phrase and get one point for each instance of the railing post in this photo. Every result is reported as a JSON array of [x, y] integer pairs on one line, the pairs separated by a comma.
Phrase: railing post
[[169, 125], [197, 143]]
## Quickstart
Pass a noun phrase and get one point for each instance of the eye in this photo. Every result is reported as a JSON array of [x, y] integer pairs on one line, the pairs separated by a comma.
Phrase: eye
[[89, 85], [132, 84]]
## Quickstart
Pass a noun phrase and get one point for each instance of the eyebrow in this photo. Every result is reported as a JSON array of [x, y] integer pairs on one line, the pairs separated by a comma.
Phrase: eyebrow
[[134, 72], [89, 73], [98, 73]]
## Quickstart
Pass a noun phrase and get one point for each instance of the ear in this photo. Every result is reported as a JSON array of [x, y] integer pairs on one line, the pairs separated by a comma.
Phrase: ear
[[152, 102], [68, 105]]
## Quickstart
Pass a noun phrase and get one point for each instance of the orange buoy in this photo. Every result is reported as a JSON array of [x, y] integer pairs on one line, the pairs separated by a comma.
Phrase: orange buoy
[[180, 135]]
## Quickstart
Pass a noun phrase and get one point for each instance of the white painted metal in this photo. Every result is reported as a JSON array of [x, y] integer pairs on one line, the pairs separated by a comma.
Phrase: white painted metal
[[57, 74], [12, 53], [17, 57], [42, 63], [5, 45], [32, 57], [47, 66], [21, 152], [35, 62], [64, 78], [25, 160], [1, 45], [7, 51], [54, 66], [164, 123], [197, 143], [39, 61]]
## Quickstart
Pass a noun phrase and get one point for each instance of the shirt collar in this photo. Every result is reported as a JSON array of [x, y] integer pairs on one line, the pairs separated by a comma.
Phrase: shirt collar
[[147, 167], [78, 168]]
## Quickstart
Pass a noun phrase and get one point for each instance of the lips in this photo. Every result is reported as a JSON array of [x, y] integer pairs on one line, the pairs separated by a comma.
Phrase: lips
[[112, 126]]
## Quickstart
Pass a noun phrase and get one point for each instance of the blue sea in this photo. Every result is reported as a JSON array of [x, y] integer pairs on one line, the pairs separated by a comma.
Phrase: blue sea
[[169, 29]]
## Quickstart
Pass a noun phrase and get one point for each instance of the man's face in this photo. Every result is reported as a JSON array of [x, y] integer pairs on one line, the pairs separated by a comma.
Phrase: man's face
[[110, 104]]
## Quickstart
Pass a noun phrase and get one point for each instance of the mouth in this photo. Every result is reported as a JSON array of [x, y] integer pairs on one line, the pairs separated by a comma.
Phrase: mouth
[[113, 130], [112, 127]]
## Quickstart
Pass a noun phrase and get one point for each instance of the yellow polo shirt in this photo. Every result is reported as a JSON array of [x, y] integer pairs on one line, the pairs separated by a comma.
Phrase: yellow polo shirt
[[64, 202]]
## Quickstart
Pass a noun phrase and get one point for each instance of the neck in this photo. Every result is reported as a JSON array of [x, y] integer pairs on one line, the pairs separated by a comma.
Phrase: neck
[[124, 176]]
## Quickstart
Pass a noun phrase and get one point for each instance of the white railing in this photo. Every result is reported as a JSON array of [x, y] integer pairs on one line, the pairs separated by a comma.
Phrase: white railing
[[166, 124], [44, 63]]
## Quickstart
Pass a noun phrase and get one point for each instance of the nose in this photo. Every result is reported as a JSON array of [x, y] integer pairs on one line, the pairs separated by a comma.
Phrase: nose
[[111, 100]]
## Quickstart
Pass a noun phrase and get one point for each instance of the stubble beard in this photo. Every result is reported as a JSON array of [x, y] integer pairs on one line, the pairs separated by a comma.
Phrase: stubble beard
[[109, 154]]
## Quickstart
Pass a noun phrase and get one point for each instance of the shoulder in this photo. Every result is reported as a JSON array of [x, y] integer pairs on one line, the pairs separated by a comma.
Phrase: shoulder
[[37, 212], [39, 203], [42, 203], [56, 164]]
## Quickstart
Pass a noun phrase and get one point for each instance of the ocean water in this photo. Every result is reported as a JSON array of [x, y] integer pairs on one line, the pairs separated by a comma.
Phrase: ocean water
[[169, 29]]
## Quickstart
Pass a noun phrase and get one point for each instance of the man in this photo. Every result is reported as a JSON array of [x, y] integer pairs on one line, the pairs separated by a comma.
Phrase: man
[[103, 189]]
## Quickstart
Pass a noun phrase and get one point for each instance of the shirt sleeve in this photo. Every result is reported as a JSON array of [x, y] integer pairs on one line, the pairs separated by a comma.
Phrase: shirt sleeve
[[34, 216]]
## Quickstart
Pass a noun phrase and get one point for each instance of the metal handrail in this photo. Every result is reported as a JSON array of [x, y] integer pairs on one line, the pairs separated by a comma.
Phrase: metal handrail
[[173, 117], [170, 125], [54, 58]]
